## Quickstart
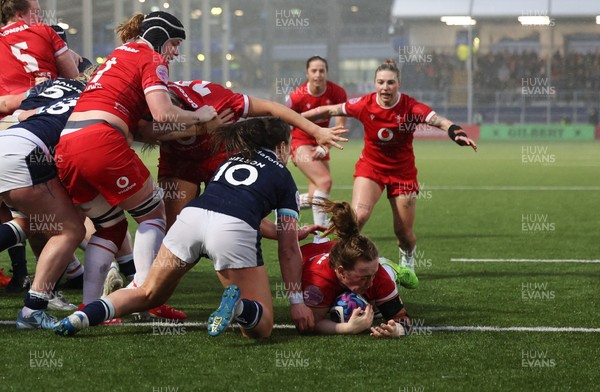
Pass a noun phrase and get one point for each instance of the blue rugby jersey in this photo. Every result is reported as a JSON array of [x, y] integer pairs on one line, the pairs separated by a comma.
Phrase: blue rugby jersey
[[56, 99], [249, 189], [49, 91]]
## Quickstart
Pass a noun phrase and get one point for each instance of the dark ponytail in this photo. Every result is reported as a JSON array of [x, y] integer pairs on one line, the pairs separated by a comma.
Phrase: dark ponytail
[[352, 245], [252, 134]]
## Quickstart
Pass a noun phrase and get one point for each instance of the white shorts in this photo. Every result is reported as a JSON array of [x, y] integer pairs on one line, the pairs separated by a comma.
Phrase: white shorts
[[229, 242], [24, 160]]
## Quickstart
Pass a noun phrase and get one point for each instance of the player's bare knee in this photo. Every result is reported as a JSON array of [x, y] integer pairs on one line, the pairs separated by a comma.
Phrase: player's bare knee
[[76, 232], [324, 184]]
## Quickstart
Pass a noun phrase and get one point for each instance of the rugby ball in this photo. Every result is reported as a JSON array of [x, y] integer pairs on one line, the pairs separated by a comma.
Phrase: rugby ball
[[345, 305]]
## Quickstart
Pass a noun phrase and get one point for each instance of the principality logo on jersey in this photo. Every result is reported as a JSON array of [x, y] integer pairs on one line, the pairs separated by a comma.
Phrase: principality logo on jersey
[[313, 296], [163, 73]]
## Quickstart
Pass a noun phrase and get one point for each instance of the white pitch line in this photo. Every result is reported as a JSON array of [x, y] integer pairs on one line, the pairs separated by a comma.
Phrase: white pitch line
[[510, 329], [523, 260], [425, 187], [452, 328]]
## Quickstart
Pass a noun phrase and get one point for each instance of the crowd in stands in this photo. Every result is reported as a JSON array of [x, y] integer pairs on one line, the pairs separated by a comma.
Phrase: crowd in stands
[[505, 71]]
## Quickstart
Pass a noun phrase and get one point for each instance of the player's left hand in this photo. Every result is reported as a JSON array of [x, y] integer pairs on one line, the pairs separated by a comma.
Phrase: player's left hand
[[305, 230], [223, 118], [76, 56], [465, 141], [205, 113], [389, 330], [328, 137], [303, 318]]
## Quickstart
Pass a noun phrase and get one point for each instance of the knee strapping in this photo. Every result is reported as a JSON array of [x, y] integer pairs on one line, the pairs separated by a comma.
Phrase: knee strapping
[[110, 218], [103, 214], [148, 205]]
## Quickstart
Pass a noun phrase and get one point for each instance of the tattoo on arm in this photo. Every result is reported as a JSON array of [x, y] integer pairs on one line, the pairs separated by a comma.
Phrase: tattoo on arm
[[435, 121]]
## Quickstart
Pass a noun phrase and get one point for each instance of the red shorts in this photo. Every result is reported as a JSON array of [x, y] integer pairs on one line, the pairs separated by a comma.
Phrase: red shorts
[[97, 160], [396, 183], [305, 140], [194, 171]]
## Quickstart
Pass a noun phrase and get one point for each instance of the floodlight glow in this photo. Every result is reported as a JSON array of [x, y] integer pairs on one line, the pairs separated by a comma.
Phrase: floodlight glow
[[534, 20], [458, 20]]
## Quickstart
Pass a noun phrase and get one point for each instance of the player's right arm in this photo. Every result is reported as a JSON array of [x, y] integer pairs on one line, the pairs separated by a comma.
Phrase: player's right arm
[[66, 66], [290, 262], [149, 132], [163, 111], [324, 136], [324, 111], [360, 321]]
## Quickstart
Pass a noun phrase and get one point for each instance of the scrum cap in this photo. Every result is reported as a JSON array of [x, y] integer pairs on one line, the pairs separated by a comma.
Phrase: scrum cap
[[159, 26], [61, 32]]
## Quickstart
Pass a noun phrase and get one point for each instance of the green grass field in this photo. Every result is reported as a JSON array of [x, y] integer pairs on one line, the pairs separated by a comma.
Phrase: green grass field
[[499, 203]]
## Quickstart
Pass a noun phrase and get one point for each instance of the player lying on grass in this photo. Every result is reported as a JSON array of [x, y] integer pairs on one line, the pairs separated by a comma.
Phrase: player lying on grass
[[352, 263], [222, 224]]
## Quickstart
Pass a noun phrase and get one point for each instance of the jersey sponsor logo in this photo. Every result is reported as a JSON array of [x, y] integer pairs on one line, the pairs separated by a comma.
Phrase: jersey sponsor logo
[[127, 49], [93, 86], [14, 30], [355, 100], [385, 134], [122, 182], [163, 73], [181, 93]]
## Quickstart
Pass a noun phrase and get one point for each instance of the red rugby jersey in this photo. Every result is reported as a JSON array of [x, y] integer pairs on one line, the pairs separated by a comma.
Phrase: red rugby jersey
[[321, 286], [195, 94], [302, 100], [120, 86], [27, 52], [388, 132]]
